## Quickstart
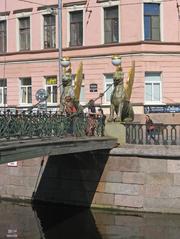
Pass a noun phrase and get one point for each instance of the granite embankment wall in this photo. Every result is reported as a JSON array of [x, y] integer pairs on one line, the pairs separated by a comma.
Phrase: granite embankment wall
[[140, 178]]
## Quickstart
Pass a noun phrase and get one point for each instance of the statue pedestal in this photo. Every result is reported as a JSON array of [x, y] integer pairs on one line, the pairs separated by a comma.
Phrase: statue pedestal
[[116, 130]]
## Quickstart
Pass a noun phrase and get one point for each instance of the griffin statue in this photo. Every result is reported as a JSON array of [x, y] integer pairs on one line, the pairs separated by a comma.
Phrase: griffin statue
[[70, 91], [120, 97]]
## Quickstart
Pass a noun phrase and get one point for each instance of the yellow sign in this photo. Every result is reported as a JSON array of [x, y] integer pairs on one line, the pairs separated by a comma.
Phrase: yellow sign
[[51, 81]]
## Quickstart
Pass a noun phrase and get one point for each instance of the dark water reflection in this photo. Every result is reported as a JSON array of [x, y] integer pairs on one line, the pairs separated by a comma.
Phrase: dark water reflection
[[51, 222]]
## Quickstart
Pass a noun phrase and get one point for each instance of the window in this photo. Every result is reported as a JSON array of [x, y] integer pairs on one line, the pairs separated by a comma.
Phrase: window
[[108, 88], [152, 87], [3, 91], [49, 31], [76, 28], [82, 95], [3, 37], [152, 21], [24, 33], [51, 87], [26, 91], [111, 26]]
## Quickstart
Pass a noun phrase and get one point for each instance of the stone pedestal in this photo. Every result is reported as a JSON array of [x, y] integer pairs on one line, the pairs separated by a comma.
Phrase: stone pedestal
[[116, 130]]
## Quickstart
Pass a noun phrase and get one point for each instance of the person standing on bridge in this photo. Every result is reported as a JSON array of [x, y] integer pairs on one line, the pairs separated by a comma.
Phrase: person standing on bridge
[[150, 128], [91, 124], [69, 106], [70, 111], [101, 118]]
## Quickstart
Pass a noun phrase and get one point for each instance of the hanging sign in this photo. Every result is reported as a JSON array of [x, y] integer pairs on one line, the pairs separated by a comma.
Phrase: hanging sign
[[162, 109]]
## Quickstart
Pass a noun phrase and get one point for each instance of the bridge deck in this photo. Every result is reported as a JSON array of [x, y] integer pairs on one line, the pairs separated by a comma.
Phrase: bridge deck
[[26, 149]]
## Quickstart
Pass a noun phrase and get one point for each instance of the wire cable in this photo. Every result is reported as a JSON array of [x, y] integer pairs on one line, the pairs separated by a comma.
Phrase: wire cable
[[40, 4], [98, 5]]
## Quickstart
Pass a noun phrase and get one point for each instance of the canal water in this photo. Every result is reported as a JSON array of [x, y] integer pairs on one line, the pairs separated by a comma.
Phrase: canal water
[[60, 222]]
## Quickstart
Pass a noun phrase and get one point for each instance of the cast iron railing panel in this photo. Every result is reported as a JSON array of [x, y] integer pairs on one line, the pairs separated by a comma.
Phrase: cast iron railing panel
[[164, 134], [32, 125]]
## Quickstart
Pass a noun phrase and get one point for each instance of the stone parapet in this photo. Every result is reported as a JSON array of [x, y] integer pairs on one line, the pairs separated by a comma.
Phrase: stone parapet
[[148, 178]]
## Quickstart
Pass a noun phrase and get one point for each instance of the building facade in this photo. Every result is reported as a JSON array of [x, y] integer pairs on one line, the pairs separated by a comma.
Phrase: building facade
[[147, 31]]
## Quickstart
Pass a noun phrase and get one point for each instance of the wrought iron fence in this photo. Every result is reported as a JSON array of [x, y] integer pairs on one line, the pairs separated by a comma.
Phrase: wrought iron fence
[[28, 125], [164, 134]]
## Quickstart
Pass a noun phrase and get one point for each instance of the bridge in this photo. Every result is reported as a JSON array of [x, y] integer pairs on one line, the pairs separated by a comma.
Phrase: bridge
[[58, 162], [28, 135], [32, 148]]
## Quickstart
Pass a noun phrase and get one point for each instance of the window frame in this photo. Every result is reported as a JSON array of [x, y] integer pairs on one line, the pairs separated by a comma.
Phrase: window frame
[[69, 27], [26, 87], [51, 31], [106, 85], [51, 103], [160, 19], [21, 15], [4, 36], [118, 21], [29, 32], [4, 94], [152, 82]]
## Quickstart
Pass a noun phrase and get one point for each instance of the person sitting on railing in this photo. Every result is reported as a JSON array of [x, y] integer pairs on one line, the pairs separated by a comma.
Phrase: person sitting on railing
[[150, 128]]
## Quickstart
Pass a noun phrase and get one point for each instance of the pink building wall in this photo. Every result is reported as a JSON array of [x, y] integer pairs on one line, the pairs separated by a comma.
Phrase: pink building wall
[[162, 56]]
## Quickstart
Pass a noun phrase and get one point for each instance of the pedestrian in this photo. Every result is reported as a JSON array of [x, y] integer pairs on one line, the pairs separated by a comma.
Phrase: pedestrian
[[91, 119], [101, 118], [70, 111], [69, 106], [150, 128]]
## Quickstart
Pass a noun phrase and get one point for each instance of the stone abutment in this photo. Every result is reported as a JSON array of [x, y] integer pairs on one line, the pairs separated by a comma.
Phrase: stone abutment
[[137, 178]]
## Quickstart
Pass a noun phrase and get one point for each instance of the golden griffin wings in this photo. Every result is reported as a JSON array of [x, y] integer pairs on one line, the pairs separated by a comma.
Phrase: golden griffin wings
[[129, 83], [78, 81]]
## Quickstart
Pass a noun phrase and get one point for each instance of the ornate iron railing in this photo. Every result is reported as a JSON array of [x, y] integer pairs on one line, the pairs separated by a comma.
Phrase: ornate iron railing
[[164, 134], [28, 125]]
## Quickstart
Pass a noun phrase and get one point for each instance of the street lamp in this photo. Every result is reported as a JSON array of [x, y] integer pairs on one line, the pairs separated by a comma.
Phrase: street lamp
[[60, 43], [65, 61], [116, 60]]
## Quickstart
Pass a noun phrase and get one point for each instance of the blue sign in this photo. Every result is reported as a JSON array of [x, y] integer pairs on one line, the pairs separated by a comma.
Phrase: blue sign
[[162, 109]]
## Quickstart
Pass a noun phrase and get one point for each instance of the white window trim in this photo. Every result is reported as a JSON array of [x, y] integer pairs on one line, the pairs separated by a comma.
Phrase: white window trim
[[160, 84], [161, 18], [2, 104], [45, 87], [106, 5], [20, 95], [4, 18], [51, 103], [75, 9], [105, 102], [18, 16], [83, 102], [46, 12]]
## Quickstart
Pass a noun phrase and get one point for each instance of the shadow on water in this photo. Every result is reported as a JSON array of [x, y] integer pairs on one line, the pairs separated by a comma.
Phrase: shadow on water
[[67, 222], [62, 222]]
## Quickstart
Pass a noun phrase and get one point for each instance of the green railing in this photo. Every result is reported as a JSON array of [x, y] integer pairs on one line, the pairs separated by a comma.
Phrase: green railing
[[28, 125]]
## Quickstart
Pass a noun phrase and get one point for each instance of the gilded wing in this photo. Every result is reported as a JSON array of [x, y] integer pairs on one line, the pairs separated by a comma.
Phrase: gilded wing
[[78, 81], [129, 83]]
